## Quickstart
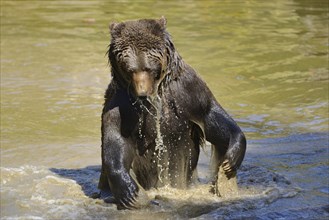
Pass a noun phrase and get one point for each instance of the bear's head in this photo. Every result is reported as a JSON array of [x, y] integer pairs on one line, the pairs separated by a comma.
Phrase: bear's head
[[142, 54]]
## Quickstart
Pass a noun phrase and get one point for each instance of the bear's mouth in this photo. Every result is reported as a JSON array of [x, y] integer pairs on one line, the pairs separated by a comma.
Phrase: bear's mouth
[[143, 97]]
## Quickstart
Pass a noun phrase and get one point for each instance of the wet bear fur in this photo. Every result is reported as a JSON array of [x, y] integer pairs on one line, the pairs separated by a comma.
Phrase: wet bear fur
[[156, 116]]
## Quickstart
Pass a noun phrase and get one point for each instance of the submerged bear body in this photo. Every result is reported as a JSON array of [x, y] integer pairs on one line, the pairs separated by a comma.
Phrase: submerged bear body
[[156, 116]]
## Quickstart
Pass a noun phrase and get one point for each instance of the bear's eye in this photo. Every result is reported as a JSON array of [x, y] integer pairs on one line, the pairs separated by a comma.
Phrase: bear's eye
[[148, 70], [129, 69], [158, 74]]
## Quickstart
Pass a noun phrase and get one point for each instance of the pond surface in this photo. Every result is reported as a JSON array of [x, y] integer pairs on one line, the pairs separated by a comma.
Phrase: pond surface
[[265, 61]]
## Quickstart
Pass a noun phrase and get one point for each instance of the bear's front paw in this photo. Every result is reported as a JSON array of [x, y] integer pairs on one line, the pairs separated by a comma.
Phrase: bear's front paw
[[133, 200], [229, 168], [232, 161]]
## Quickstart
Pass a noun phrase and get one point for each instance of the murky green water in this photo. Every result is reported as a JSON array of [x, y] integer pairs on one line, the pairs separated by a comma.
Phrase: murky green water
[[265, 61]]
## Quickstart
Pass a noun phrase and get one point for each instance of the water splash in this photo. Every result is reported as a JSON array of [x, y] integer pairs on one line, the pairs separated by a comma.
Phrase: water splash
[[159, 139], [60, 193], [160, 149], [140, 125]]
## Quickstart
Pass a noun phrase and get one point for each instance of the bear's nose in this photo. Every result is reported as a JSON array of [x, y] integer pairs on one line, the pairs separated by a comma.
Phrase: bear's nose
[[141, 89], [142, 84]]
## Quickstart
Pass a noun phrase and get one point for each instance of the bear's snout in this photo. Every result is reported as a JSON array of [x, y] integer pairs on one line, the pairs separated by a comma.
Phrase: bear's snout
[[143, 84]]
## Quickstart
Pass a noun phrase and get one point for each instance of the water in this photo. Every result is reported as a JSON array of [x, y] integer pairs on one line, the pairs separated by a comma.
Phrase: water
[[265, 61]]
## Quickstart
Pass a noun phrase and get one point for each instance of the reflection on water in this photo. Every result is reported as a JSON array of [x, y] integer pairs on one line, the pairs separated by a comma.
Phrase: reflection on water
[[265, 61]]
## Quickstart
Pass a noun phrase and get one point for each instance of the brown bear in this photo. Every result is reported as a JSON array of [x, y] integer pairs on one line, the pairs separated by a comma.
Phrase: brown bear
[[157, 114]]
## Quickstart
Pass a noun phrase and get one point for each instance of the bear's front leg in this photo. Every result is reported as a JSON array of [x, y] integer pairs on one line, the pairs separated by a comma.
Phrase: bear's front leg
[[118, 153], [228, 150], [229, 143]]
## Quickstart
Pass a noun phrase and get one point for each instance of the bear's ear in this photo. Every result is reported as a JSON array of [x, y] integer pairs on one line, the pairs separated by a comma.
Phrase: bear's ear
[[112, 26], [162, 21], [115, 28]]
